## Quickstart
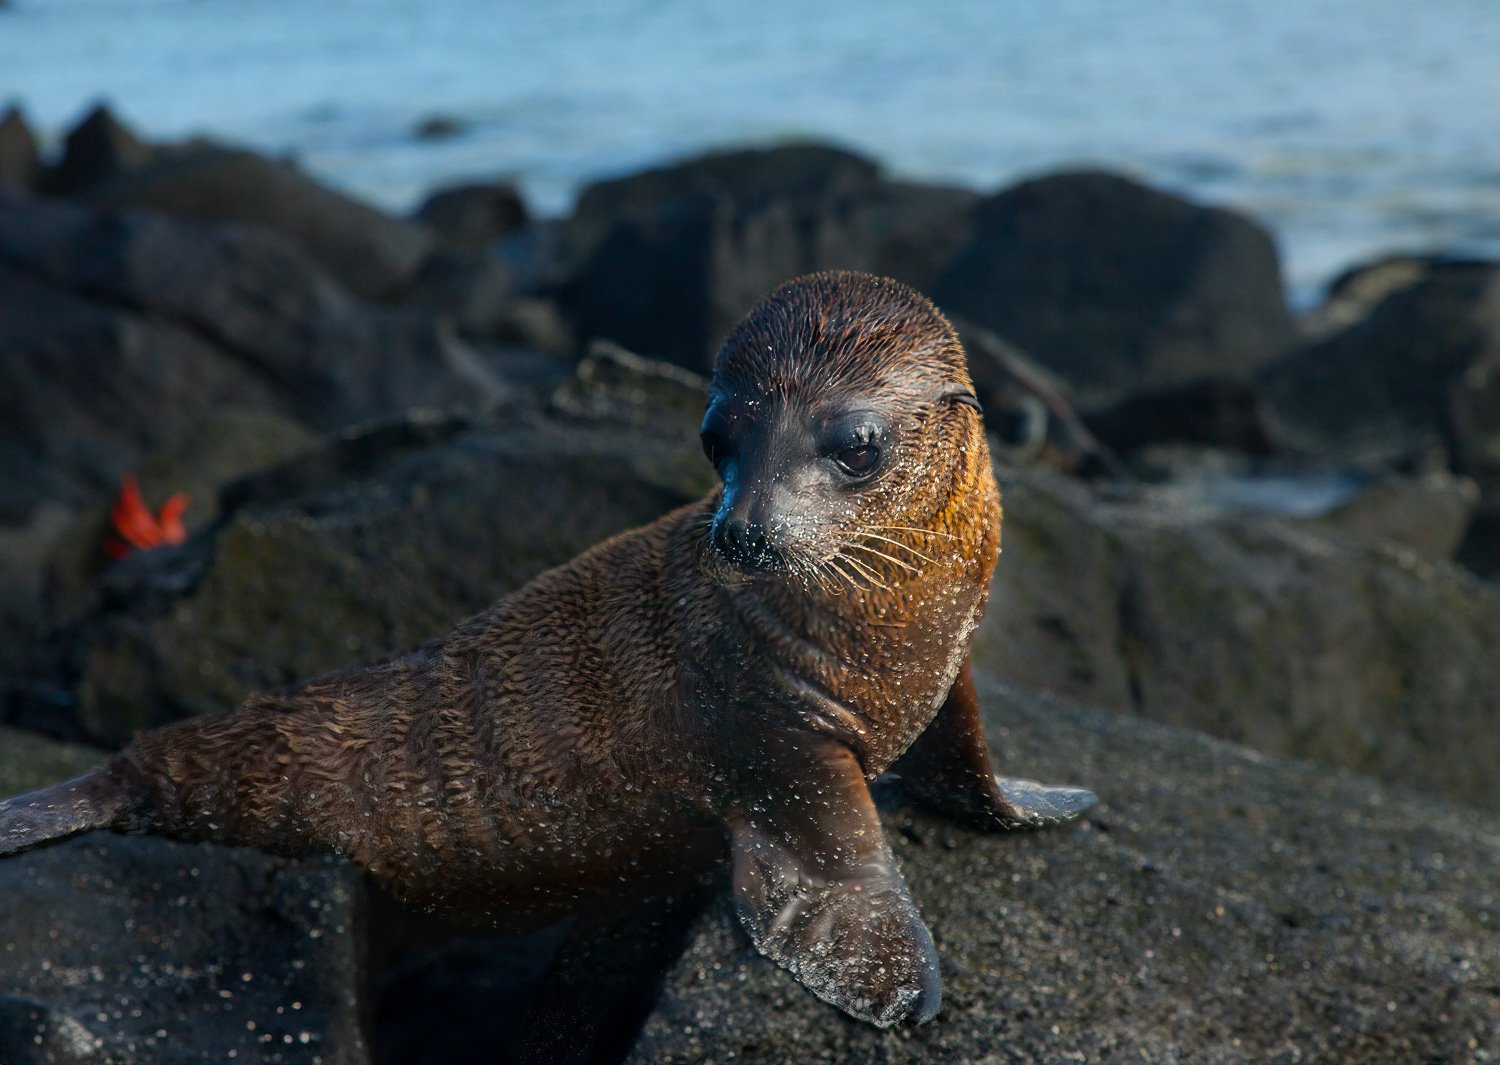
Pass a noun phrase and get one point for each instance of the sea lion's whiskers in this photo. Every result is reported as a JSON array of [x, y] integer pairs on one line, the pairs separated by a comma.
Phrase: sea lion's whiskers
[[863, 568], [907, 566], [807, 568], [898, 543], [832, 563], [825, 581], [812, 574], [914, 529]]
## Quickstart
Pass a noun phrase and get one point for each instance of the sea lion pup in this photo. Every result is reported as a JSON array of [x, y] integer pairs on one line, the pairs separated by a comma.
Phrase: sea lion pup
[[738, 670]]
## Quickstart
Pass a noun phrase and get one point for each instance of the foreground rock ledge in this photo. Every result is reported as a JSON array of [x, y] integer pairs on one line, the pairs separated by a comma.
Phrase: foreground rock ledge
[[1219, 906], [119, 951]]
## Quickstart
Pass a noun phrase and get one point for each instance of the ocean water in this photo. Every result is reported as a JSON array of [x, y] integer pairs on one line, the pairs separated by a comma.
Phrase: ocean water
[[1351, 127]]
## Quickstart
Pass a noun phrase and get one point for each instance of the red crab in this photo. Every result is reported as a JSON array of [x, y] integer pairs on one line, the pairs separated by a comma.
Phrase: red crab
[[138, 528]]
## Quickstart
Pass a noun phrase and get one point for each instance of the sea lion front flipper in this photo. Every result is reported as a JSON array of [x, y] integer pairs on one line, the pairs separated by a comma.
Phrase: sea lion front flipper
[[948, 769], [816, 887]]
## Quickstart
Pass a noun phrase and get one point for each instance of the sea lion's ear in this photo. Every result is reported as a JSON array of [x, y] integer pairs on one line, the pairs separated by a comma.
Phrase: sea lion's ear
[[817, 889], [957, 393], [948, 769]]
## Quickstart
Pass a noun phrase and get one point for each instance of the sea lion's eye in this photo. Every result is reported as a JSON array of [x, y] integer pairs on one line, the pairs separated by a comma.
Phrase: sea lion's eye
[[854, 441], [859, 461]]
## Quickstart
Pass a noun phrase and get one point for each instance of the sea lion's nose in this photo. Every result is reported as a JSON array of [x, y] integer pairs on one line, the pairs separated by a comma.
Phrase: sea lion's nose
[[741, 540]]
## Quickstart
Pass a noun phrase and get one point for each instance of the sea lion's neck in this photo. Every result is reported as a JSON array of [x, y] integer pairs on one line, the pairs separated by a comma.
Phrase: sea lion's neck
[[862, 656]]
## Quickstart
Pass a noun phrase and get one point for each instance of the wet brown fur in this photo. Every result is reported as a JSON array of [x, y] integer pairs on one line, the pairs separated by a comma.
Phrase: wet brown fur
[[611, 715]]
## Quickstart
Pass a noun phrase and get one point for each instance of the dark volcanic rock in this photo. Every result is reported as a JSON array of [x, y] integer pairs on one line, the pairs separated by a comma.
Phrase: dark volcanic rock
[[28, 762], [615, 385], [1430, 513], [165, 952], [1357, 291], [1281, 635], [1212, 412], [20, 163], [756, 176], [95, 385], [668, 260], [439, 127], [384, 541], [1473, 421], [474, 290], [225, 445], [328, 359], [87, 390], [372, 254], [1120, 288], [472, 217], [98, 148], [1028, 410], [1414, 375], [1480, 550], [134, 951], [1218, 906], [188, 354]]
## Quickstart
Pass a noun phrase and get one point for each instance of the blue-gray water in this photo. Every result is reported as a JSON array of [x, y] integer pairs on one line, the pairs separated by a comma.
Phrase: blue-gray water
[[1352, 127]]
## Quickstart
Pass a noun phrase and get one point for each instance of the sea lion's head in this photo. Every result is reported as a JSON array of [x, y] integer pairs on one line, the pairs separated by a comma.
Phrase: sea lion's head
[[840, 411]]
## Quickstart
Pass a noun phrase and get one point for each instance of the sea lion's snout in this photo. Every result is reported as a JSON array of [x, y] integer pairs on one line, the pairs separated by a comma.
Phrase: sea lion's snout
[[742, 542], [760, 476], [742, 529]]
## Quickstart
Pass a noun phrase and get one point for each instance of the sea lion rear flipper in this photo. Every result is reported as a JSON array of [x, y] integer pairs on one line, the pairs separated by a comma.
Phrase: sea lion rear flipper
[[948, 769], [816, 887], [104, 798]]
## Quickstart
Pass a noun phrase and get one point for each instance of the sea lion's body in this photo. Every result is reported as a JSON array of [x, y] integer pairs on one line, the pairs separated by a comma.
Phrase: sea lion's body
[[639, 706]]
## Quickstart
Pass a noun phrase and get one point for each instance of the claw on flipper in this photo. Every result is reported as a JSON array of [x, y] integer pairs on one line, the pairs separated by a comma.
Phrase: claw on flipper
[[1034, 805]]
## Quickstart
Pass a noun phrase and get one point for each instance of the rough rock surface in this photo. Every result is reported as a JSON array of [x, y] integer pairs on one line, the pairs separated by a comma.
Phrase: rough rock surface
[[96, 149], [136, 951], [20, 163], [1211, 412], [1281, 635], [370, 253], [1219, 906], [1120, 288], [249, 293], [472, 217], [1413, 375], [88, 390], [472, 289], [28, 762], [1430, 513], [666, 261]]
